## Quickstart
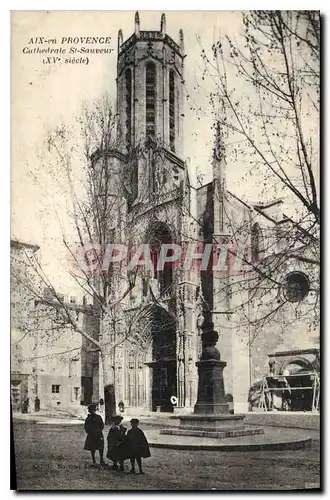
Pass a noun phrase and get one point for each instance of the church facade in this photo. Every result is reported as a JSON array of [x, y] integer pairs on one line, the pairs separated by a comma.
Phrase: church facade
[[157, 363]]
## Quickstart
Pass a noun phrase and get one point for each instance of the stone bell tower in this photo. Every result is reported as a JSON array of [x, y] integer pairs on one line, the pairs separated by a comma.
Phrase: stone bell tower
[[159, 201], [150, 102]]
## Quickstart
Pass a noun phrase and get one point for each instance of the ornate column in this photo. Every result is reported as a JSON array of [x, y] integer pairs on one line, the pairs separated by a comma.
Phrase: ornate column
[[180, 368], [148, 386], [189, 365], [186, 344], [180, 347]]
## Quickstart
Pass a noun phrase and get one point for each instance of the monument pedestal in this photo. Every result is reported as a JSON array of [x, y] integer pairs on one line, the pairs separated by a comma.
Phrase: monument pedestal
[[211, 422], [211, 416], [211, 391], [180, 410]]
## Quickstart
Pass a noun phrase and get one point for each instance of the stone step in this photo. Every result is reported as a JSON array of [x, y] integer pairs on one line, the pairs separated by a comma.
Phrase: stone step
[[213, 429], [272, 439], [206, 433]]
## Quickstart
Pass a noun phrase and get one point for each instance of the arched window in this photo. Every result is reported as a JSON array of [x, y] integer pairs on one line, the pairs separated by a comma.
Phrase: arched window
[[158, 235], [150, 99], [128, 94], [256, 243], [172, 110]]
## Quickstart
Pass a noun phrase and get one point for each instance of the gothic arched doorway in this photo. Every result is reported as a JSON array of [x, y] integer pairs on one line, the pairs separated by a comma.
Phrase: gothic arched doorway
[[163, 366]]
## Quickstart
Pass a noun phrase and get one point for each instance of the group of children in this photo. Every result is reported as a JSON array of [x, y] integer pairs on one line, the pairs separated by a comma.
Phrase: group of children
[[132, 445]]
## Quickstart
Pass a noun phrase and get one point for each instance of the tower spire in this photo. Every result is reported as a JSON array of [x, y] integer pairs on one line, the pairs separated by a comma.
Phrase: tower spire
[[181, 40], [163, 24], [218, 149], [120, 39], [219, 176], [219, 157], [137, 23]]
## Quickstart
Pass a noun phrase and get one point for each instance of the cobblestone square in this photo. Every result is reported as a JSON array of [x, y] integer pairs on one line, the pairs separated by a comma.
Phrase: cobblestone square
[[51, 457]]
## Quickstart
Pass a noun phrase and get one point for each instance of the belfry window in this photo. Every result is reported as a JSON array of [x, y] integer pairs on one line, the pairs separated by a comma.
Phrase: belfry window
[[128, 93], [172, 110], [150, 98]]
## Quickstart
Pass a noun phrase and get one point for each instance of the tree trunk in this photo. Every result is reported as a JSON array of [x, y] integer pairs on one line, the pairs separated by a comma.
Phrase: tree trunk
[[109, 385]]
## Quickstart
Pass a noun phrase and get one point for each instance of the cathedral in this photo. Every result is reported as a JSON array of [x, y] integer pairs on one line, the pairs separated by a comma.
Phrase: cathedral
[[155, 368]]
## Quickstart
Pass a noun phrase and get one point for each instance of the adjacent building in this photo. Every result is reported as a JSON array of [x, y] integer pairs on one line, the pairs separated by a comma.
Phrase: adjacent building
[[51, 366]]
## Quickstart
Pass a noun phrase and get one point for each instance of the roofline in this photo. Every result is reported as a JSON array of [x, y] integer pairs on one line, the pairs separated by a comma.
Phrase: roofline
[[96, 155], [146, 36], [238, 199], [268, 205], [202, 186], [18, 243], [265, 215], [295, 352], [85, 309]]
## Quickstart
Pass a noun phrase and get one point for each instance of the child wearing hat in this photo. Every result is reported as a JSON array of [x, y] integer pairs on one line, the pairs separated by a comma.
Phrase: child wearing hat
[[137, 445], [93, 428], [116, 443]]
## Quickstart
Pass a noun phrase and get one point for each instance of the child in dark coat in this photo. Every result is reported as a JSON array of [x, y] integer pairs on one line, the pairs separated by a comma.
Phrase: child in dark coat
[[116, 443], [94, 440], [137, 445]]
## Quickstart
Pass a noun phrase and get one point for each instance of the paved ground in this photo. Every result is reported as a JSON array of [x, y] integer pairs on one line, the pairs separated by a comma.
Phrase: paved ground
[[51, 457]]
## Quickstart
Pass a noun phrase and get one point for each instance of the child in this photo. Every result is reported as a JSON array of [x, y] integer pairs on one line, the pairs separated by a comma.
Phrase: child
[[94, 440], [137, 445], [116, 443]]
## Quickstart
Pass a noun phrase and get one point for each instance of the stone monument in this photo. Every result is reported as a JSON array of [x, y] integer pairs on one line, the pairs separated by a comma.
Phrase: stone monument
[[211, 417]]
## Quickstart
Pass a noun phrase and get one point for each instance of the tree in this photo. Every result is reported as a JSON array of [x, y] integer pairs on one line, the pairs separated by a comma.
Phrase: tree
[[265, 103], [276, 115], [86, 178]]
